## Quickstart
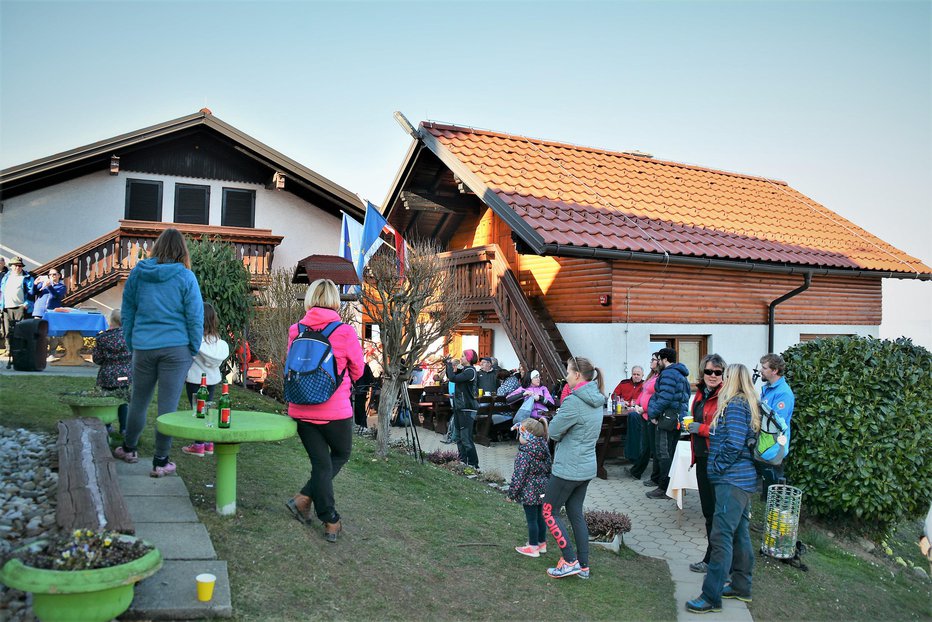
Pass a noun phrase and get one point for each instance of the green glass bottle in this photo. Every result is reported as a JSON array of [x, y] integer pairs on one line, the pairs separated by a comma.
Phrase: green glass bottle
[[225, 406], [201, 398]]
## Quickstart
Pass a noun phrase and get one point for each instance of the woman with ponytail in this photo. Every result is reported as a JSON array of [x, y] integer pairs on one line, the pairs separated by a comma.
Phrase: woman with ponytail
[[731, 471], [575, 428]]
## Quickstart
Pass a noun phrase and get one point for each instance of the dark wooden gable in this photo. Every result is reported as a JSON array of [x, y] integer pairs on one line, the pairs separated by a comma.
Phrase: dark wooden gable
[[198, 154]]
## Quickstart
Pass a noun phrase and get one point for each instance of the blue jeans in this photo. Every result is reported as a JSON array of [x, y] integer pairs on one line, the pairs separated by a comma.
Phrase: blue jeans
[[166, 367], [730, 542], [465, 420], [536, 527]]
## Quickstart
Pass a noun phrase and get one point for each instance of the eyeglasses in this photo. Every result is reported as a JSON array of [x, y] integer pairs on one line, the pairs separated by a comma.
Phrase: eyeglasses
[[712, 372]]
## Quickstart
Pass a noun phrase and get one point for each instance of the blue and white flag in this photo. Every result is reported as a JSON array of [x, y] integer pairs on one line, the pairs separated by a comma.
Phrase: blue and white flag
[[350, 240], [371, 230]]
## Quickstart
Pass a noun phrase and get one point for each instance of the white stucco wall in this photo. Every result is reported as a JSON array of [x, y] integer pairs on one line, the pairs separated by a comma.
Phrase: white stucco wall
[[50, 222]]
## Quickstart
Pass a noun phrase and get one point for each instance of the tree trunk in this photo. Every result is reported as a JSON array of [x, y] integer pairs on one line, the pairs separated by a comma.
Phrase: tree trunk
[[391, 388]]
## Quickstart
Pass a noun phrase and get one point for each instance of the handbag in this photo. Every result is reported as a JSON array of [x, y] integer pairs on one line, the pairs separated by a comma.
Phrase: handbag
[[667, 423]]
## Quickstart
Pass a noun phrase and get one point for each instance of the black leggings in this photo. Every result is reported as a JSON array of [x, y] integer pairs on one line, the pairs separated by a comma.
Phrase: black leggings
[[706, 497], [648, 450], [563, 492], [328, 445]]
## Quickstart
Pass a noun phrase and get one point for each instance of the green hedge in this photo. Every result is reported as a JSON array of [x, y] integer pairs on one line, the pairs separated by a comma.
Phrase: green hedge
[[862, 429]]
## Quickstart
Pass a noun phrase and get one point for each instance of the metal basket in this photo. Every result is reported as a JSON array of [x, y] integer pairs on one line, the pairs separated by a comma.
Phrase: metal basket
[[781, 521]]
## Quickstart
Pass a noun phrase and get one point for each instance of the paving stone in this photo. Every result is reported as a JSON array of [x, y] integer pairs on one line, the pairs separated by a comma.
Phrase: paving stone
[[178, 541], [133, 485], [171, 594], [151, 509]]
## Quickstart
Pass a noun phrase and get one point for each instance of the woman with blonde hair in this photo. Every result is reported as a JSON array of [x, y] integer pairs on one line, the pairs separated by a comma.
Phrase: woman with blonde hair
[[326, 429], [731, 471], [163, 323]]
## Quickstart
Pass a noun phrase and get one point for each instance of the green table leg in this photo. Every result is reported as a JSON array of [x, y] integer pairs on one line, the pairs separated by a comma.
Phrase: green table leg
[[226, 477]]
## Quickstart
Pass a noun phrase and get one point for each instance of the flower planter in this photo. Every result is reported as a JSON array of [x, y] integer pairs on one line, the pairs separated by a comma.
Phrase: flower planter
[[613, 545], [103, 407], [80, 595]]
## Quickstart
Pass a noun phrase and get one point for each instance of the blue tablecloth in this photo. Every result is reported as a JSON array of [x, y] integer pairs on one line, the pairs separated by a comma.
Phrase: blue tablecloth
[[88, 324]]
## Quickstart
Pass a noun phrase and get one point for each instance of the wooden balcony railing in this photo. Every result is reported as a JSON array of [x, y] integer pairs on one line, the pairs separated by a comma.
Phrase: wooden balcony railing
[[485, 277], [104, 262]]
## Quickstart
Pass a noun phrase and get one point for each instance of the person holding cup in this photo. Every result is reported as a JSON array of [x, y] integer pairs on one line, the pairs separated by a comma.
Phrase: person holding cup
[[704, 407]]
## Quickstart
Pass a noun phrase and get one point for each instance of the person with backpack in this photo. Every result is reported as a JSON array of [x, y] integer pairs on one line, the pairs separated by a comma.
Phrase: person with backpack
[[324, 359], [731, 471], [778, 395], [463, 376], [704, 407]]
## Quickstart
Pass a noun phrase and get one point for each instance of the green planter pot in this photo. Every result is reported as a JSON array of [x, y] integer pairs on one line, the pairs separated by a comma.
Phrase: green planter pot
[[80, 595], [104, 408]]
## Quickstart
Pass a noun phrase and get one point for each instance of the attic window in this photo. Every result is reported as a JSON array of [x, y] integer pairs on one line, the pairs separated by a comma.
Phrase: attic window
[[191, 204], [239, 208], [143, 200]]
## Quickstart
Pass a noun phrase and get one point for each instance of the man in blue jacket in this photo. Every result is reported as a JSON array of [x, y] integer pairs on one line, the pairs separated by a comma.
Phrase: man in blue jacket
[[777, 394], [667, 407], [16, 296]]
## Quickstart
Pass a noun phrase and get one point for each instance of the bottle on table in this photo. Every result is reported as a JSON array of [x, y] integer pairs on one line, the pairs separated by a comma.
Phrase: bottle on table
[[225, 407], [201, 397]]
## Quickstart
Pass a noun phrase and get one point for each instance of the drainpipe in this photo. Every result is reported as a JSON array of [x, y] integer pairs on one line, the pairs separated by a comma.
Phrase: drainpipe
[[770, 317]]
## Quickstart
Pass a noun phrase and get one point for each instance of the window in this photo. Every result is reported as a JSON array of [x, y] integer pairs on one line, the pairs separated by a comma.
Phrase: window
[[143, 200], [192, 204], [689, 351], [239, 208]]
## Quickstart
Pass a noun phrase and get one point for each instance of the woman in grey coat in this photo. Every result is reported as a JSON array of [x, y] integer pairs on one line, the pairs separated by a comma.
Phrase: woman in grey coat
[[575, 429]]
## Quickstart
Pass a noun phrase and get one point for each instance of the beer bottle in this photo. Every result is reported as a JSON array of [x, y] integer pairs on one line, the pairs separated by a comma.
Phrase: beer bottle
[[225, 407], [202, 395]]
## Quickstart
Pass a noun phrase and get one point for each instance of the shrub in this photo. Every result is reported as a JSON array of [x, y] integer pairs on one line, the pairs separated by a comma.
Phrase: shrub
[[604, 524], [441, 456], [281, 304], [861, 443], [224, 282]]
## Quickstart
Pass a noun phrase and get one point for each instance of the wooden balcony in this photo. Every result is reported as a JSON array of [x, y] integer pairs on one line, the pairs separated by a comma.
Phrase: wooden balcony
[[102, 263]]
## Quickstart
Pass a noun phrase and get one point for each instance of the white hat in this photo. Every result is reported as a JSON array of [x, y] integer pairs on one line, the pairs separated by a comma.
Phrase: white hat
[[535, 374]]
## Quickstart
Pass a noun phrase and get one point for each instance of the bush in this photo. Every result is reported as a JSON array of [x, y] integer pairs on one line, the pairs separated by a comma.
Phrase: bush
[[861, 443], [224, 282], [604, 524], [281, 304]]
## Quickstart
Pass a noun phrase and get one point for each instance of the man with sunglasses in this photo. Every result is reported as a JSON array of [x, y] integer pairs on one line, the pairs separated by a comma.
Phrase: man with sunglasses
[[777, 394]]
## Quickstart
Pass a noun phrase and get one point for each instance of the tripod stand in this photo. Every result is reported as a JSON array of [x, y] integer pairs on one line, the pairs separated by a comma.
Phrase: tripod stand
[[411, 436]]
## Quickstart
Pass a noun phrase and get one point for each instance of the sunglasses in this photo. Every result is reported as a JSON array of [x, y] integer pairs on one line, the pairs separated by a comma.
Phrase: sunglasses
[[712, 372]]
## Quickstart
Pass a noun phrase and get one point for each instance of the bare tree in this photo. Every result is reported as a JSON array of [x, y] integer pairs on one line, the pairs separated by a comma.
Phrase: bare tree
[[412, 312], [280, 304]]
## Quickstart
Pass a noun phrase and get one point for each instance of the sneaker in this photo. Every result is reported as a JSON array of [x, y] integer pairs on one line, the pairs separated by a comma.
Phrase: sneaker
[[194, 449], [542, 548], [208, 449], [757, 528], [446, 440], [529, 550], [161, 471], [583, 572], [701, 605], [650, 482], [700, 567], [564, 569], [657, 493], [729, 592], [130, 457]]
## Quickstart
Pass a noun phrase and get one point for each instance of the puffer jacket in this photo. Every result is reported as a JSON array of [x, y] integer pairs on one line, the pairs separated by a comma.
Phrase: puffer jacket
[[671, 397], [703, 409], [349, 357], [576, 428], [532, 470], [464, 386]]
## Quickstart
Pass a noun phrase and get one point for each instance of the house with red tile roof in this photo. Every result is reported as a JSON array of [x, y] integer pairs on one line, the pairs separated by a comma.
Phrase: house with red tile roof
[[612, 255]]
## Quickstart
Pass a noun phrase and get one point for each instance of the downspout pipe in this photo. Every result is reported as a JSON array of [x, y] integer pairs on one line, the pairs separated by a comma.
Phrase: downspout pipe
[[773, 306]]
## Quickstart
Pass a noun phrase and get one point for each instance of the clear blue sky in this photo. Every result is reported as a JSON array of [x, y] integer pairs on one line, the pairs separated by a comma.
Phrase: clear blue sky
[[833, 97]]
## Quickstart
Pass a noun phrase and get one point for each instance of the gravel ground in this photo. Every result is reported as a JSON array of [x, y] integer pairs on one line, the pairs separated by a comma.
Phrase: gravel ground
[[28, 487]]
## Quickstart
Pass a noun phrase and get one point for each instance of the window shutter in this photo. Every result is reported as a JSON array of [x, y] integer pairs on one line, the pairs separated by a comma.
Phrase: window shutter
[[143, 200], [238, 208], [192, 204]]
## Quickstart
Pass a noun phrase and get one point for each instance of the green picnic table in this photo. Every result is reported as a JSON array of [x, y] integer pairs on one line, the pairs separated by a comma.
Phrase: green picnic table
[[246, 427]]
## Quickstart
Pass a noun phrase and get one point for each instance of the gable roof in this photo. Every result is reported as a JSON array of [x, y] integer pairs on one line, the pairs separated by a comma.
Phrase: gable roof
[[564, 199], [80, 161]]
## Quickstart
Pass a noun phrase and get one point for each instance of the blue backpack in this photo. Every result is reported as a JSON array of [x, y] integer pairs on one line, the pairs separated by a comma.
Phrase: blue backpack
[[311, 368], [771, 444]]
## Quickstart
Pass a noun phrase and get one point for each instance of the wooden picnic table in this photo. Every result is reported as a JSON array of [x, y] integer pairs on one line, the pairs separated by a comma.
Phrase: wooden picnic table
[[246, 427]]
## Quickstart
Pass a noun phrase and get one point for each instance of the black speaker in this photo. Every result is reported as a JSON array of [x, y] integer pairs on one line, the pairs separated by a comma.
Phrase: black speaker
[[29, 345]]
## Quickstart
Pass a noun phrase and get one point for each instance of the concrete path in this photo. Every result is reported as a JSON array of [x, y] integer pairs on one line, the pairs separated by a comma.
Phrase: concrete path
[[658, 528], [163, 514]]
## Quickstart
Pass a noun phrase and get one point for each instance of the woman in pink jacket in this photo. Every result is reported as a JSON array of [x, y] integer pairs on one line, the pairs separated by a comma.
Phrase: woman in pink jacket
[[326, 429], [647, 430]]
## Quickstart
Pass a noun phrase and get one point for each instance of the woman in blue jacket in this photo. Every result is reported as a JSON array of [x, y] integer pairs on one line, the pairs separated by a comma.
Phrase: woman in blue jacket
[[163, 323], [49, 292]]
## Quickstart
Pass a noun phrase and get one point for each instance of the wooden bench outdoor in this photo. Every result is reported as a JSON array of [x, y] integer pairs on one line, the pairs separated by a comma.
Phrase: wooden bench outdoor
[[434, 409], [89, 495], [486, 430], [611, 441]]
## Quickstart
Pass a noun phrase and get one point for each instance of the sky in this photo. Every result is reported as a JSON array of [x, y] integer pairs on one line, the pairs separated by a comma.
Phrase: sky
[[833, 97]]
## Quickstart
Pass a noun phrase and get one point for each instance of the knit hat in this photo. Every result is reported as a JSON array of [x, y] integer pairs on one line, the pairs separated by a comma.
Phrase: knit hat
[[471, 356], [535, 374]]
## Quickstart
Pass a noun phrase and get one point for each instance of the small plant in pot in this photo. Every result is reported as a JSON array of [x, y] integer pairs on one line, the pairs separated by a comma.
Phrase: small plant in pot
[[99, 403], [607, 528], [84, 576]]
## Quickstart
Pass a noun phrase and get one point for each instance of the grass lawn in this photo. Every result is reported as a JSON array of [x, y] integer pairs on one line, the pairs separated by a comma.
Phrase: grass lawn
[[418, 542]]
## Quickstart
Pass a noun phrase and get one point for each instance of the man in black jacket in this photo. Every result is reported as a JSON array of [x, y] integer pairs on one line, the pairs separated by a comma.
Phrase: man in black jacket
[[463, 375], [667, 407]]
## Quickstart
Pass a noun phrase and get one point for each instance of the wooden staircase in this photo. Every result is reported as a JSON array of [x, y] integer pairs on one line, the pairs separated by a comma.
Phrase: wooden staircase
[[490, 285], [106, 261]]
